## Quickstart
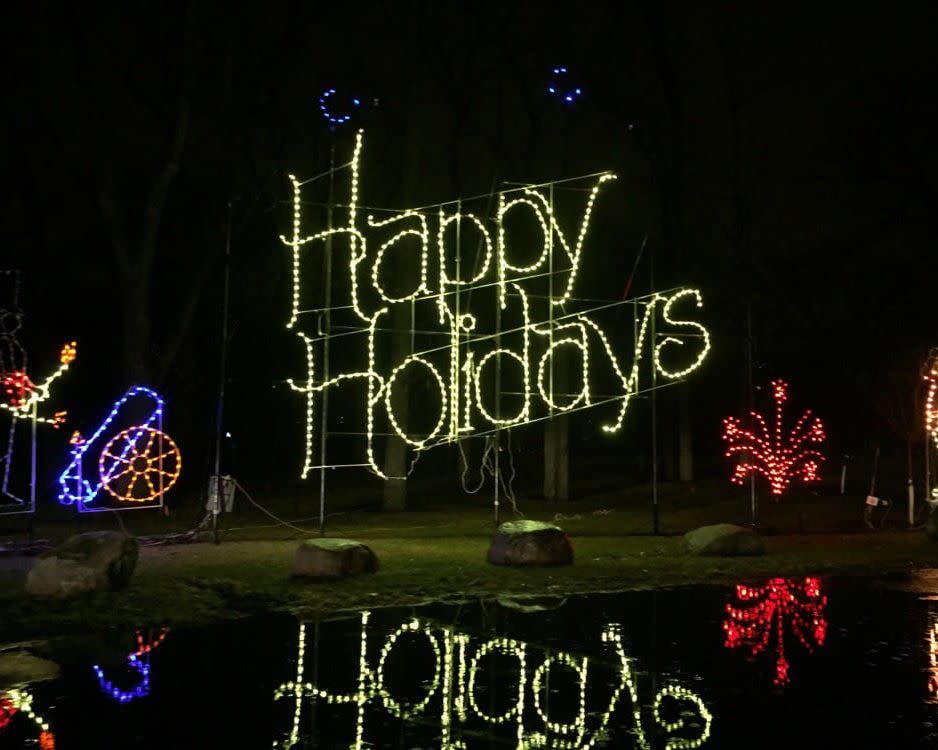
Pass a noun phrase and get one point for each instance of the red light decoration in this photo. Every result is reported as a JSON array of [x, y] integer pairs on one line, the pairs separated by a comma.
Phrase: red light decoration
[[46, 741], [146, 645], [760, 620], [7, 711], [17, 387], [778, 456], [67, 355]]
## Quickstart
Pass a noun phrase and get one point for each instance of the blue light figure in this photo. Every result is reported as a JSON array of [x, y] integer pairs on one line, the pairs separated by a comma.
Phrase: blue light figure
[[333, 118], [562, 87]]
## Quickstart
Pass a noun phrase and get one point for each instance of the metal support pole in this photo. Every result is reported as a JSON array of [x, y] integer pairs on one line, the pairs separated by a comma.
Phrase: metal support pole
[[928, 495], [753, 500], [326, 328], [498, 399], [654, 404], [222, 378], [32, 475]]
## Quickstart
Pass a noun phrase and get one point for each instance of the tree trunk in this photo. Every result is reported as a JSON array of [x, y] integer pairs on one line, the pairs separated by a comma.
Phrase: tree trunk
[[685, 441], [557, 459]]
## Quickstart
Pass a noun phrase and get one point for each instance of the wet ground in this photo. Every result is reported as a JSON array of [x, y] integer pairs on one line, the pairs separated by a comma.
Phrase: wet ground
[[780, 663]]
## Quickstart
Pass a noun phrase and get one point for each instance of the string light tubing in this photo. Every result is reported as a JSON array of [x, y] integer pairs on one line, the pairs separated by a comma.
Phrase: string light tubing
[[455, 370], [777, 454]]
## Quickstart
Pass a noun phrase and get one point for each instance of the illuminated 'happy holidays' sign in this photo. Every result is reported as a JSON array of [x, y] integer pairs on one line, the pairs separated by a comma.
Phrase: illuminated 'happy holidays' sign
[[529, 329]]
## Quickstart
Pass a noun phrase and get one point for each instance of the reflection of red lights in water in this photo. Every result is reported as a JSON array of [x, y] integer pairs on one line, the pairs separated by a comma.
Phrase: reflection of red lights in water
[[145, 647], [46, 741], [7, 709], [762, 618]]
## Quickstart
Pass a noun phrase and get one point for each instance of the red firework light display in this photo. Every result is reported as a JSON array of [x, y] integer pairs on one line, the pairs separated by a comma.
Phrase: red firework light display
[[773, 453], [759, 622]]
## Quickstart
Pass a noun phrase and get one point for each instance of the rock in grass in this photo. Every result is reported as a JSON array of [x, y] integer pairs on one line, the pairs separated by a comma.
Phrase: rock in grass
[[94, 561], [22, 668], [333, 558], [723, 540], [522, 543]]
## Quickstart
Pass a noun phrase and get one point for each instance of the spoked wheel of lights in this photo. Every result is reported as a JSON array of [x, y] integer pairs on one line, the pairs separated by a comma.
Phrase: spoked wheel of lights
[[139, 465]]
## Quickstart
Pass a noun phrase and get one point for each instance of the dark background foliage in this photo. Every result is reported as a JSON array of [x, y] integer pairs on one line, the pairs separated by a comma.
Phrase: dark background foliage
[[780, 157]]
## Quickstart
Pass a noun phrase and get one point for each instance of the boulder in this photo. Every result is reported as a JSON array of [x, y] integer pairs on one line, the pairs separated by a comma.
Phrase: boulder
[[22, 668], [723, 540], [94, 561], [333, 558], [522, 543]]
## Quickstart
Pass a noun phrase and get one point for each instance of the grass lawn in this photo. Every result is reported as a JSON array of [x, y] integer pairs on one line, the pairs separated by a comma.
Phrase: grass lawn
[[436, 554]]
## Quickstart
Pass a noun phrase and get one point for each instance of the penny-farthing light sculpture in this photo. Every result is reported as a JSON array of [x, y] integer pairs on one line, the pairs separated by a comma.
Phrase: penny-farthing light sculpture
[[139, 464], [128, 462]]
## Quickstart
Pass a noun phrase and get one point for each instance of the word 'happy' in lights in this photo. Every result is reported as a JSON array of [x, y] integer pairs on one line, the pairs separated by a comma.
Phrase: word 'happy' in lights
[[136, 465], [764, 611], [777, 455], [459, 372], [459, 666]]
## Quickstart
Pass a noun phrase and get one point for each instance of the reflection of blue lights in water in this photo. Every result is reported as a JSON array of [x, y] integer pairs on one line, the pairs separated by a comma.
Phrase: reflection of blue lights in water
[[141, 690]]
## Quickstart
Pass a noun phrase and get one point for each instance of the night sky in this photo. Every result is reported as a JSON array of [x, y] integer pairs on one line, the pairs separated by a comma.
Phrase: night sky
[[780, 157]]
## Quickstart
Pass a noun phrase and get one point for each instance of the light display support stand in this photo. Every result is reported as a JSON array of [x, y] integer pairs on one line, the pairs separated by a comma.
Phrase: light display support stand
[[498, 408], [654, 407], [326, 330], [753, 502], [222, 377]]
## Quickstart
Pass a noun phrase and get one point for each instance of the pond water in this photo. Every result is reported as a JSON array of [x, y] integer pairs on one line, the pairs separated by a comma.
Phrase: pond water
[[790, 662]]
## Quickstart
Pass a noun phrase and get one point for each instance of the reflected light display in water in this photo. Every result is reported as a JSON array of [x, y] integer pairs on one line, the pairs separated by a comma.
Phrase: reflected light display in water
[[758, 623], [138, 662], [14, 703], [677, 714], [933, 660]]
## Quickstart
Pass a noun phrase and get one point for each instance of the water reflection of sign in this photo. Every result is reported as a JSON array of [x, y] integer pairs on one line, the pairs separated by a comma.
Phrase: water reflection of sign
[[676, 711], [933, 660], [759, 624], [458, 369]]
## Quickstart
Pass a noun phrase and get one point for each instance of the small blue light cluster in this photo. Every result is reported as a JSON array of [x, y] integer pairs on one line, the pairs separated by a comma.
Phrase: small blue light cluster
[[560, 86], [330, 117], [75, 488], [142, 688]]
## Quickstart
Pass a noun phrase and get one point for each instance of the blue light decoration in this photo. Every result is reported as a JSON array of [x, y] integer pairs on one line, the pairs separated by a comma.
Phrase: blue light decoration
[[75, 487], [139, 661], [332, 117], [140, 690], [562, 86]]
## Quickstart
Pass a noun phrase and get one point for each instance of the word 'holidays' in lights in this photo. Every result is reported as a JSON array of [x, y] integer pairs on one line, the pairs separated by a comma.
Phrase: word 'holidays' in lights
[[461, 369]]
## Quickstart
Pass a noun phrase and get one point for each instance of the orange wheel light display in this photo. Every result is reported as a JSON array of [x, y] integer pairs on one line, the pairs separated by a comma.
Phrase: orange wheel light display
[[139, 465]]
